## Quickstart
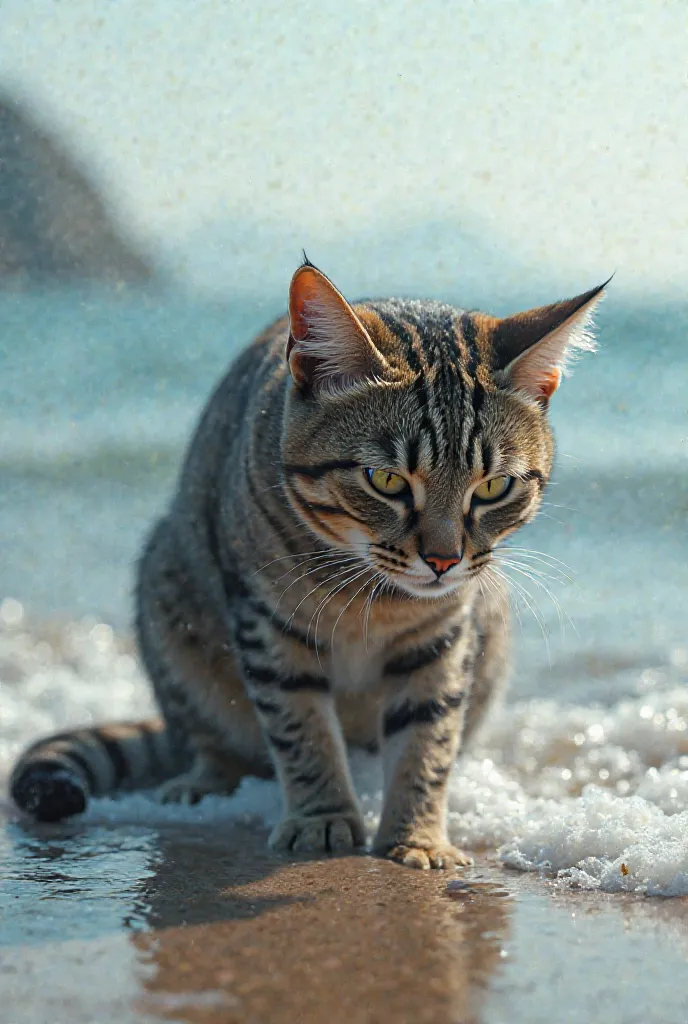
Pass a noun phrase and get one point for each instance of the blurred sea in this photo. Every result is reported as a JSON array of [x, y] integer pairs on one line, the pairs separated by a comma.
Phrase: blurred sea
[[100, 391]]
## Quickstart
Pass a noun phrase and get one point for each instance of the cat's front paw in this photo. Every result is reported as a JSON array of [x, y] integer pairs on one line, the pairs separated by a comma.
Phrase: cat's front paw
[[443, 856], [325, 833]]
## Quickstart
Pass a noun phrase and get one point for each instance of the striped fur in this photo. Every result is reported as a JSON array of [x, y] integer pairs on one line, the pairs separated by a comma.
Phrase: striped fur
[[286, 609]]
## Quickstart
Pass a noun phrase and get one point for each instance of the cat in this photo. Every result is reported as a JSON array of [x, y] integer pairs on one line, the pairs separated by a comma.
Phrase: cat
[[322, 576]]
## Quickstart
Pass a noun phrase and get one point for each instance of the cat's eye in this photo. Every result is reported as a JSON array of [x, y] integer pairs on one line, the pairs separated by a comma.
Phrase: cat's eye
[[391, 484], [491, 490]]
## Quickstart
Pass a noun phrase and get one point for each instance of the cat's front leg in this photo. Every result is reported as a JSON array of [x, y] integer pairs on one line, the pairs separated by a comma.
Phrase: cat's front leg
[[305, 740], [420, 733]]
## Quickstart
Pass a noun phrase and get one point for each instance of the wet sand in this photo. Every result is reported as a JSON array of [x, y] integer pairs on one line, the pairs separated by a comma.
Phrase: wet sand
[[143, 924]]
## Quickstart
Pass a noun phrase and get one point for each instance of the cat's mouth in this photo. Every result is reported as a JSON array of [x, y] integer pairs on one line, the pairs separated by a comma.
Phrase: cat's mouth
[[437, 588], [427, 588]]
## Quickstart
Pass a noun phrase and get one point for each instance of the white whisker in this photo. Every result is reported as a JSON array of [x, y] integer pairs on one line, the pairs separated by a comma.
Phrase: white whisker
[[351, 599], [495, 589], [550, 561], [295, 568], [537, 578], [567, 508], [321, 607], [367, 608], [537, 556], [284, 558], [532, 605], [561, 578], [318, 568]]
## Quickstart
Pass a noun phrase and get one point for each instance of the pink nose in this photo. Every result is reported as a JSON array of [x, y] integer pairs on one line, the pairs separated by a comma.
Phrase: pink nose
[[441, 564]]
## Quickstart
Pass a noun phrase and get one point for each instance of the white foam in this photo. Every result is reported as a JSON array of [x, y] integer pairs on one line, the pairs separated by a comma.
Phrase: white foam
[[596, 797]]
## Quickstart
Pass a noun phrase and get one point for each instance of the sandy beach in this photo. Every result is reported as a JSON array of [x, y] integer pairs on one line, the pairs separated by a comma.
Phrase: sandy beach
[[205, 927]]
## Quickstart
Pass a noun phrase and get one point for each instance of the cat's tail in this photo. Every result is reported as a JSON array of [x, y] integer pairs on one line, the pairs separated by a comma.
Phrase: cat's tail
[[54, 778]]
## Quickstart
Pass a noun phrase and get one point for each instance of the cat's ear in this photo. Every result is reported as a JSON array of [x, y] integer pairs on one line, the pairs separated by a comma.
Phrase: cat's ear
[[328, 345], [532, 350]]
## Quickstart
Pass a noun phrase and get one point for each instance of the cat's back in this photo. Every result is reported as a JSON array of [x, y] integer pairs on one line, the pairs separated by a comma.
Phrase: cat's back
[[252, 386]]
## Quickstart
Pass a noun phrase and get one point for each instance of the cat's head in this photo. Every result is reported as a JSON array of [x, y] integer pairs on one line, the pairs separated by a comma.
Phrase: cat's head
[[416, 435]]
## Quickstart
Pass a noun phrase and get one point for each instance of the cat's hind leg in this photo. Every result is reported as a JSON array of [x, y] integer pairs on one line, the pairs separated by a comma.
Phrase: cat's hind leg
[[185, 647], [215, 773], [212, 725]]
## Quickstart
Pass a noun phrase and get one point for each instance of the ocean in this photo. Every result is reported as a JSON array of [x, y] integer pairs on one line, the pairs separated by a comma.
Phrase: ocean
[[584, 774]]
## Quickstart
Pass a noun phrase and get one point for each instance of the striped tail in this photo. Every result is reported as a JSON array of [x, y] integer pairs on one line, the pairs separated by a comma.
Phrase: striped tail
[[54, 778]]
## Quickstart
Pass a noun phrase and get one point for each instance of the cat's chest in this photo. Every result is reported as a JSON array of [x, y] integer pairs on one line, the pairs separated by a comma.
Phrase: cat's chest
[[355, 666], [360, 649]]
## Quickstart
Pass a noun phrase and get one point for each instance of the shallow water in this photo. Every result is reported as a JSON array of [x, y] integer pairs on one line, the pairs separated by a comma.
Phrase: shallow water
[[145, 923]]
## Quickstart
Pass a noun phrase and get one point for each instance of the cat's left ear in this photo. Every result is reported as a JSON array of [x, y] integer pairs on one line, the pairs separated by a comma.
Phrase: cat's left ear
[[532, 349], [328, 345]]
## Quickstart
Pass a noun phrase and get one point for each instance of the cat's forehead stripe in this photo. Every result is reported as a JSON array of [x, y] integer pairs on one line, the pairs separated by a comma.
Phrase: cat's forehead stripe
[[432, 341], [446, 354], [469, 333], [412, 453]]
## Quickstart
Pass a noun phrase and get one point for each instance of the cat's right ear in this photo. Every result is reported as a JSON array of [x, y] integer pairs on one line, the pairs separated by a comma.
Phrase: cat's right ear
[[328, 345]]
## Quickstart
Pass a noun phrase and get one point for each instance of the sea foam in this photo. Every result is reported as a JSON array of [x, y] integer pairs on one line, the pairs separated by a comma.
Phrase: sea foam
[[595, 797]]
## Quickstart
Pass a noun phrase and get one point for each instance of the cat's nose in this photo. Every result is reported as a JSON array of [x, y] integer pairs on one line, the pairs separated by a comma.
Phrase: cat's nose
[[441, 563]]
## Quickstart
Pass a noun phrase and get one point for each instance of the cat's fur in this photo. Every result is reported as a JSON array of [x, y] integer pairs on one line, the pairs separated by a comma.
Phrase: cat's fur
[[287, 609]]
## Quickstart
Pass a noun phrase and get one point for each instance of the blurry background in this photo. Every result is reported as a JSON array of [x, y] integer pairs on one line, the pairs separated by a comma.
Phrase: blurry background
[[162, 166]]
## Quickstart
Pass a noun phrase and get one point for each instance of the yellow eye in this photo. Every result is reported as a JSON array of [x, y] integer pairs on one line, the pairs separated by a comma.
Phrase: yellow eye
[[491, 490], [387, 483]]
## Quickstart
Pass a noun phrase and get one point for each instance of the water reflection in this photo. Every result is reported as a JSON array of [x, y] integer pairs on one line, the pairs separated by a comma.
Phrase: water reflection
[[592, 957], [203, 926], [249, 938], [69, 882], [184, 926], [68, 899]]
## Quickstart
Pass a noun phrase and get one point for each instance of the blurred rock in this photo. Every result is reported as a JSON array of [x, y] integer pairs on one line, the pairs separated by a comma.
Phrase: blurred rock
[[53, 223]]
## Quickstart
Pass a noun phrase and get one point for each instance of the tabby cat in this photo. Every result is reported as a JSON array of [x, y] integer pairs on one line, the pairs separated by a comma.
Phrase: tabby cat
[[323, 575]]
